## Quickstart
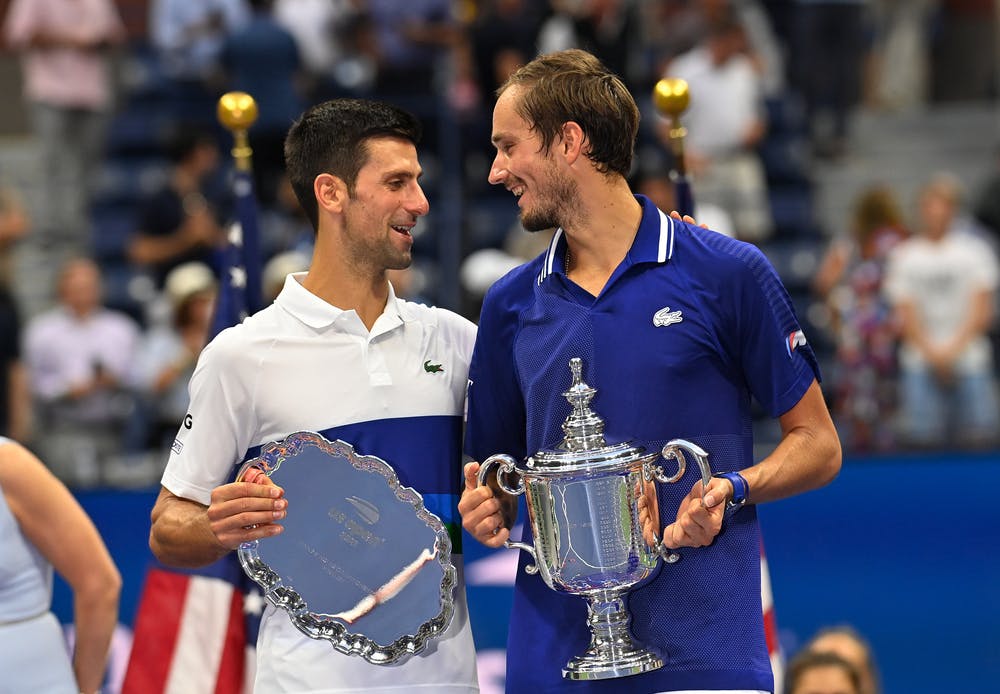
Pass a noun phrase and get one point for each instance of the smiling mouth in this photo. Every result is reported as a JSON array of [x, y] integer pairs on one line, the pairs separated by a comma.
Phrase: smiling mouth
[[404, 230]]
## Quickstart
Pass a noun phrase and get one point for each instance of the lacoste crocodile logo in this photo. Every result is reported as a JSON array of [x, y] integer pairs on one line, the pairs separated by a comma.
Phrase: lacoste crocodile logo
[[433, 368], [666, 317]]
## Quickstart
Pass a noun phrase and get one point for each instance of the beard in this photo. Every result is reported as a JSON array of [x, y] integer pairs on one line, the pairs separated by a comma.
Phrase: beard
[[555, 207]]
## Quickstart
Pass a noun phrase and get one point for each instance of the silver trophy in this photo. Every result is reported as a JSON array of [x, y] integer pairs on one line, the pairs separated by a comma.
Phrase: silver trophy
[[596, 523]]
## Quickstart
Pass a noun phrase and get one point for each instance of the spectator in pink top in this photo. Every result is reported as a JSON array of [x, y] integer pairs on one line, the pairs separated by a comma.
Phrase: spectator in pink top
[[64, 47]]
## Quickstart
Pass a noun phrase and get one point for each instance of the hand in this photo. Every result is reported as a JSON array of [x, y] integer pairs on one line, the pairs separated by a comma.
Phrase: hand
[[686, 218], [699, 518], [482, 513], [649, 515], [243, 511]]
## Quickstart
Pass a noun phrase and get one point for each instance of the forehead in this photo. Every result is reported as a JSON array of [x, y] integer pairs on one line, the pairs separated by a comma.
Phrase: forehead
[[826, 679], [388, 155], [506, 120]]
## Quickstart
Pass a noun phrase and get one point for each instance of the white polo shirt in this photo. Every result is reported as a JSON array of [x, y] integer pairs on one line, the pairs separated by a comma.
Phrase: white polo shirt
[[397, 392]]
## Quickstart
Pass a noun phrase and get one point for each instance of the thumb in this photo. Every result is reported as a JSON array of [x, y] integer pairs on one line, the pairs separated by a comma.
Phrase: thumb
[[716, 493], [471, 473]]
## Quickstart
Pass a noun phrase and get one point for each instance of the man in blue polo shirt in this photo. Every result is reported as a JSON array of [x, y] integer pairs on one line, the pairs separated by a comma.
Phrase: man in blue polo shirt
[[678, 327]]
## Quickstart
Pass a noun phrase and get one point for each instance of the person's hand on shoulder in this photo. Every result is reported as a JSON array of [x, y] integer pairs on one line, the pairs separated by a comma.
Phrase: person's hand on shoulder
[[686, 218]]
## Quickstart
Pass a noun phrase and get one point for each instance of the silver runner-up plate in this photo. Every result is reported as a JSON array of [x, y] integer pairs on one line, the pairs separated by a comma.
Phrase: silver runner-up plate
[[361, 562]]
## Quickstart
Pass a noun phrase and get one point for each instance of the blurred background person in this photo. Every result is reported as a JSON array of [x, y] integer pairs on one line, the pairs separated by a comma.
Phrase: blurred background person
[[165, 360], [849, 644], [78, 355], [414, 39], [183, 220], [849, 281], [821, 673], [43, 527], [65, 52], [262, 58], [725, 122], [942, 283], [15, 402], [829, 51], [187, 38]]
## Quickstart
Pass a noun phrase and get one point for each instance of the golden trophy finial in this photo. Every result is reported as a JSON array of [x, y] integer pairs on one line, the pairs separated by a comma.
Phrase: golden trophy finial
[[671, 97], [237, 111]]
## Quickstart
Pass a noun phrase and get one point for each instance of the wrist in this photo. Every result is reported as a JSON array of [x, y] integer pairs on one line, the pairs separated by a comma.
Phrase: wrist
[[741, 490]]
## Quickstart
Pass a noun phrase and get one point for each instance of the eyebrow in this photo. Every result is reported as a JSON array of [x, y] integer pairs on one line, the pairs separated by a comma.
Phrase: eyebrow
[[402, 173]]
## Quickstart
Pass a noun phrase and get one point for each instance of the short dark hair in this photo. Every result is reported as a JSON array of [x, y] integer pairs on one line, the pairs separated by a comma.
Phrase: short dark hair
[[573, 85], [331, 137]]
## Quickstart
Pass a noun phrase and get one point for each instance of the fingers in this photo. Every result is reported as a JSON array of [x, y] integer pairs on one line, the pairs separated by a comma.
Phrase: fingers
[[471, 475], [697, 523], [686, 218], [244, 511], [482, 514]]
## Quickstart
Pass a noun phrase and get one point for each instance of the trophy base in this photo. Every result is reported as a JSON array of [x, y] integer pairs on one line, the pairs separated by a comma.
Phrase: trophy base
[[596, 666], [612, 651]]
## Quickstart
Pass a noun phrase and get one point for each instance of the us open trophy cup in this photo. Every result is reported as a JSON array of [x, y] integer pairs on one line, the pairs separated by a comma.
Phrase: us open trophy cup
[[594, 514]]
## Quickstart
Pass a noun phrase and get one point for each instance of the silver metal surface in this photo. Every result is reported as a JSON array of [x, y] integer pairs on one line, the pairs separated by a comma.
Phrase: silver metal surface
[[595, 519], [361, 562]]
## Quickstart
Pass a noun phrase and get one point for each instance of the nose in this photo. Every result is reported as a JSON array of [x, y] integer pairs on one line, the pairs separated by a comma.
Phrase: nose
[[418, 204], [497, 171]]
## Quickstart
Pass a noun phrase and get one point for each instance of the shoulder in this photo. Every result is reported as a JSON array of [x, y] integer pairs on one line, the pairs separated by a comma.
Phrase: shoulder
[[448, 323], [515, 290], [236, 347], [716, 255]]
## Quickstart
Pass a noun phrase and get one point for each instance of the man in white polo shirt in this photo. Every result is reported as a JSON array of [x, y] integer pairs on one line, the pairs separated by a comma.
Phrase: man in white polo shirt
[[336, 353]]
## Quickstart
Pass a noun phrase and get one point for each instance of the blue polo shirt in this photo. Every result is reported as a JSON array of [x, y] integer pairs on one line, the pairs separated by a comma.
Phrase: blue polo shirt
[[691, 325]]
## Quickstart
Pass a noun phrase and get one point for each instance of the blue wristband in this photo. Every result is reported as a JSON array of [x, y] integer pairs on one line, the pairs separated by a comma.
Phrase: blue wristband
[[741, 490]]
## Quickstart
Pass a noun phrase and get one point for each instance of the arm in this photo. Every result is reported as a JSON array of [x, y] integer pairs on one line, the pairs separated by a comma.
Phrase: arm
[[58, 527], [188, 534], [19, 401], [807, 458], [199, 230]]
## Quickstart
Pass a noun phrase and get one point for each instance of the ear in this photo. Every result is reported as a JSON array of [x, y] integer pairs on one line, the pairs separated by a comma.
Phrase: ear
[[331, 193], [573, 141]]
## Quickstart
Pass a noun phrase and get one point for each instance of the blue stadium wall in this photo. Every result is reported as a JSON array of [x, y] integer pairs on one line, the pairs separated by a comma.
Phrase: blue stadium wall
[[904, 548]]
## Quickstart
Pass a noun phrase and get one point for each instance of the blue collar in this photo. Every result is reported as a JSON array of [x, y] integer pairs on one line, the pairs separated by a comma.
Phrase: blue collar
[[653, 243]]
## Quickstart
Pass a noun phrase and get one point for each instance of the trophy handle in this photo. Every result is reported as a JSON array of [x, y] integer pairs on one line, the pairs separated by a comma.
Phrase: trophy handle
[[506, 468], [674, 450]]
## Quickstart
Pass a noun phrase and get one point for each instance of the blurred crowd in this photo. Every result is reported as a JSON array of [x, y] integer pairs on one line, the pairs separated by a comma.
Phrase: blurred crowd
[[122, 97]]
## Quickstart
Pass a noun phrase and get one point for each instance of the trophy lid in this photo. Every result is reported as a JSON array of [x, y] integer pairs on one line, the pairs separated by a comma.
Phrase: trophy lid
[[583, 446]]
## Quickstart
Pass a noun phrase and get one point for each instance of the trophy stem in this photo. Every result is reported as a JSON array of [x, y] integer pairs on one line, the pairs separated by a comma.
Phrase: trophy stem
[[612, 651]]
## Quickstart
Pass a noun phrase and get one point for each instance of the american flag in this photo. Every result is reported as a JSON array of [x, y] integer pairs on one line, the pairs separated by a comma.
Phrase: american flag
[[195, 632]]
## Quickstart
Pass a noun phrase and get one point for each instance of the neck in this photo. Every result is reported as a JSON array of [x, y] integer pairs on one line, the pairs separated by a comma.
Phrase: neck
[[348, 288], [604, 232]]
